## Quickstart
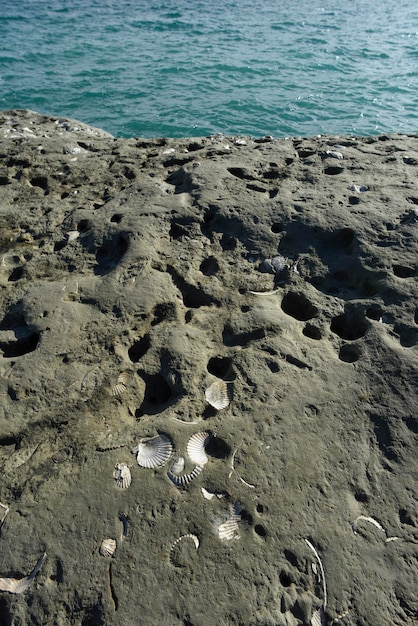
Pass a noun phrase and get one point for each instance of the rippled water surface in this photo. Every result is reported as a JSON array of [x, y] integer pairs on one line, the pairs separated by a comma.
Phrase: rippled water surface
[[182, 68]]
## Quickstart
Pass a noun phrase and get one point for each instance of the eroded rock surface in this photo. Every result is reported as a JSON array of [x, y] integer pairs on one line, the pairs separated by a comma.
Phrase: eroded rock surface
[[146, 259]]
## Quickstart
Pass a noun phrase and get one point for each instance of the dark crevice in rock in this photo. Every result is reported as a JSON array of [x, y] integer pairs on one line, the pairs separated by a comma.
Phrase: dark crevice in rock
[[350, 325], [298, 306], [139, 348], [158, 394], [221, 367], [21, 346], [193, 297], [349, 353], [231, 338], [110, 253]]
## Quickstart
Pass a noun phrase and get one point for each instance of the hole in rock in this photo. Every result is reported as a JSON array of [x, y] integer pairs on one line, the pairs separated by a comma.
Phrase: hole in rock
[[40, 181], [259, 508], [260, 530], [231, 338], [59, 245], [285, 579], [221, 367], [313, 332], [110, 254], [291, 557], [177, 230], [218, 448], [158, 394], [83, 226], [416, 316], [117, 218], [209, 266], [333, 170], [405, 518], [139, 348], [16, 274], [164, 312], [298, 306], [228, 243], [408, 335], [349, 325], [277, 227], [374, 313], [361, 496], [353, 200], [349, 353], [193, 297], [4, 180], [21, 346], [403, 271], [273, 367]]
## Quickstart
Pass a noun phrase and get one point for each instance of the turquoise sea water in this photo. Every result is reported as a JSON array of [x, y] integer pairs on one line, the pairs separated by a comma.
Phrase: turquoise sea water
[[181, 68]]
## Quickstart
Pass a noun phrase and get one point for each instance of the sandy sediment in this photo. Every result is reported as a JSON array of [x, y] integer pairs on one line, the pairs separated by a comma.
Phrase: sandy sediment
[[134, 274]]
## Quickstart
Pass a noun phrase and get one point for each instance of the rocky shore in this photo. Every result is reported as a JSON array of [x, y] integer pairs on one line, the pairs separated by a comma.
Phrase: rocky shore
[[134, 274]]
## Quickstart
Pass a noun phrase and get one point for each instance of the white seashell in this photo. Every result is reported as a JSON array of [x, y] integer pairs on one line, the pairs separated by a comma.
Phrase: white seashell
[[229, 529], [334, 154], [120, 386], [72, 235], [196, 448], [122, 475], [177, 562], [219, 394], [153, 451], [208, 495], [182, 481], [318, 618], [18, 585], [178, 466], [107, 547]]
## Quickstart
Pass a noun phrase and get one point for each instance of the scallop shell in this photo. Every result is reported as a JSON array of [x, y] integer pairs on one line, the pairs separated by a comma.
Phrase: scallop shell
[[228, 530], [175, 558], [122, 475], [153, 451], [178, 466], [18, 585], [107, 547], [182, 481], [196, 448], [120, 386], [218, 394]]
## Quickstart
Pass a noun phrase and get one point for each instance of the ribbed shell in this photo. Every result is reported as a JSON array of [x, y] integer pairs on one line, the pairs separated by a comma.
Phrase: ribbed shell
[[18, 585], [122, 475], [120, 386], [218, 394], [107, 547], [153, 451], [318, 618], [182, 481], [174, 555], [229, 529], [196, 448]]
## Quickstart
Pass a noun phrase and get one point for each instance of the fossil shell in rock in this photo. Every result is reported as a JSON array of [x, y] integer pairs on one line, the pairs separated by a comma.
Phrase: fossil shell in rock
[[178, 466], [122, 475], [219, 394], [18, 585], [175, 557], [228, 530], [107, 547], [196, 448], [185, 479], [120, 386], [153, 451]]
